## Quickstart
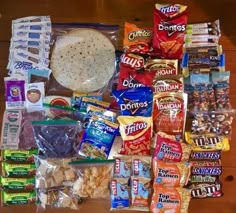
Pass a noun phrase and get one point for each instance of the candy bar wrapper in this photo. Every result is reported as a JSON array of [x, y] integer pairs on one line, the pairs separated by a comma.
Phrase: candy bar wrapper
[[93, 177], [137, 40], [140, 193], [207, 142], [60, 197], [204, 51], [17, 184], [170, 150], [122, 166], [19, 155], [9, 198], [169, 199], [205, 155], [18, 170], [170, 174], [120, 196], [215, 122], [206, 190], [204, 25]]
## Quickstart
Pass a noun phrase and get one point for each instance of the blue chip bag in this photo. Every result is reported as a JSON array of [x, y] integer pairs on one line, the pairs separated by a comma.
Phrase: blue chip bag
[[135, 101], [119, 193], [98, 138], [122, 166], [141, 166]]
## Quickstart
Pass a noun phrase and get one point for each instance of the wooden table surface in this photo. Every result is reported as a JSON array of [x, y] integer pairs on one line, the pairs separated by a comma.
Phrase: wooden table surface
[[140, 13]]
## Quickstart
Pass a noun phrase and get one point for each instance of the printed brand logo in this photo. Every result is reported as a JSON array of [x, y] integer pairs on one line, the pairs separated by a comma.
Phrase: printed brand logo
[[165, 173], [165, 198], [136, 167], [114, 187], [206, 155], [131, 83], [133, 105], [23, 65], [133, 61], [170, 9], [171, 28], [135, 128], [207, 170], [166, 71], [169, 104], [165, 86], [117, 166], [169, 153], [139, 34], [135, 186], [13, 116]]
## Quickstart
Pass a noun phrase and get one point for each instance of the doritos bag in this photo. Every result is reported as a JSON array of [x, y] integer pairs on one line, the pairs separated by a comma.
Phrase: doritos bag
[[170, 22]]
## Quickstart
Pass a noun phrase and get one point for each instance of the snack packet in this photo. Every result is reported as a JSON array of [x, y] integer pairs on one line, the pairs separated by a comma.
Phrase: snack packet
[[122, 166], [136, 134], [170, 174], [140, 193], [170, 199], [18, 198], [135, 101], [141, 166], [93, 177], [17, 184], [119, 193], [11, 126], [98, 138], [56, 138], [170, 22], [18, 170], [19, 155]]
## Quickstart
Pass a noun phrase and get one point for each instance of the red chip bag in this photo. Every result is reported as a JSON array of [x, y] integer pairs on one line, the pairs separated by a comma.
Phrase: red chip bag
[[170, 22]]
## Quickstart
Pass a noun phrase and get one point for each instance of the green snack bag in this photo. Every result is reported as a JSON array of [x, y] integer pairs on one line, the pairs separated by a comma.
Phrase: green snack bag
[[10, 184], [18, 198], [19, 155], [18, 170]]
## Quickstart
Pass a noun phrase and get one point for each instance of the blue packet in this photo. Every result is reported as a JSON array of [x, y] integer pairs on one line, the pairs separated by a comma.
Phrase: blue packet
[[39, 72], [141, 166], [98, 138], [122, 166], [135, 101], [119, 193]]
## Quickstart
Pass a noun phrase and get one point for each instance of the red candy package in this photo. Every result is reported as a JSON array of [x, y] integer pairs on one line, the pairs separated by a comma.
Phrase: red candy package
[[136, 134], [137, 40], [169, 113], [170, 22]]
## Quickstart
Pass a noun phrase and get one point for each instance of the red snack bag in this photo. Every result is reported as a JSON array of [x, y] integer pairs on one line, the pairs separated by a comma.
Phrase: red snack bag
[[170, 22], [169, 113], [132, 72], [137, 40], [136, 133]]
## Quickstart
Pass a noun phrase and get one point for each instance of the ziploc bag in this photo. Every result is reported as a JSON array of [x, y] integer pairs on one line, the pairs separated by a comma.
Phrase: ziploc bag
[[53, 173], [93, 177], [89, 49], [57, 198], [56, 138]]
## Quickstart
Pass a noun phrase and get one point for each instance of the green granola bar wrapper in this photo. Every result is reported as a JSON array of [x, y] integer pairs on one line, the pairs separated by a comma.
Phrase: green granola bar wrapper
[[18, 170], [19, 155], [18, 198], [17, 184]]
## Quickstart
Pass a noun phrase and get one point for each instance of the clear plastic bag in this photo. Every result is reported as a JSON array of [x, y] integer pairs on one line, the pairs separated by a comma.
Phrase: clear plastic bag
[[56, 138], [93, 177]]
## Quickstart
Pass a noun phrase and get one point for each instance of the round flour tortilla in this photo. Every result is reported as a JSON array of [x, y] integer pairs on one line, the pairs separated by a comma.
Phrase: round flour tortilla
[[83, 60]]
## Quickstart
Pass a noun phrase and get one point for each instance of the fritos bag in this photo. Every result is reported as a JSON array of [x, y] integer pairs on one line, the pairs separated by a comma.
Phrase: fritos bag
[[170, 22]]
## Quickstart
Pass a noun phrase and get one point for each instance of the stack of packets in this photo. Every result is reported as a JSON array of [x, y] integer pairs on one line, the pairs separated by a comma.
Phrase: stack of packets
[[207, 85], [18, 177]]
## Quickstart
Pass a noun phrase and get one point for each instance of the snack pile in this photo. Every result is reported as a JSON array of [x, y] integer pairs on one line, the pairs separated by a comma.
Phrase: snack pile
[[143, 126]]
